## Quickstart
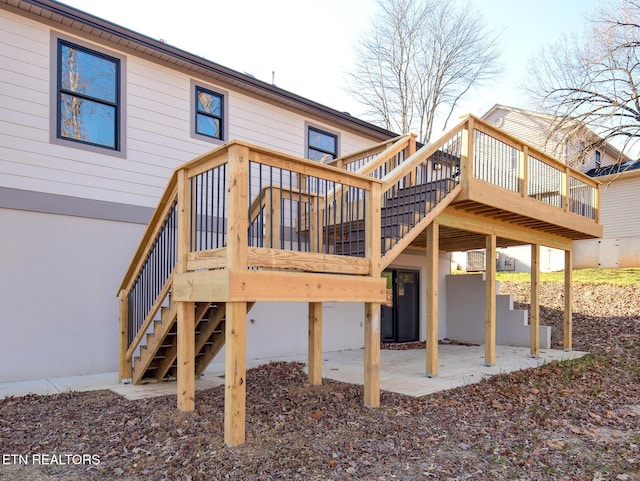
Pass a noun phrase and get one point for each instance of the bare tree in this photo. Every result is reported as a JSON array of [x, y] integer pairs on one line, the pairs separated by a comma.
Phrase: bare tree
[[418, 59], [589, 83]]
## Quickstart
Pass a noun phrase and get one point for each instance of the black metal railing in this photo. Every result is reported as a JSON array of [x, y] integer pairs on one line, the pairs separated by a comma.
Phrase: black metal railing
[[545, 182], [410, 199], [496, 162], [304, 213], [581, 199], [209, 209], [155, 272]]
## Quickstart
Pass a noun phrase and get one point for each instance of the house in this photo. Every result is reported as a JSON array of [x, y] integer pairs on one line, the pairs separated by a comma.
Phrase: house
[[231, 216], [82, 168], [620, 245]]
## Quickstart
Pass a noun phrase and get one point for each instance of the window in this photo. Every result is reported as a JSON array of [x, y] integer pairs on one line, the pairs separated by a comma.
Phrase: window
[[88, 96], [321, 146], [209, 113], [598, 159]]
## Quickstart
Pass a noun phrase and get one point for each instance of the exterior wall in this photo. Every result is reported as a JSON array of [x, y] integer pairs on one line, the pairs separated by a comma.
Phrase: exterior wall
[[158, 105], [466, 322], [417, 260], [620, 246], [59, 277], [74, 218], [620, 198]]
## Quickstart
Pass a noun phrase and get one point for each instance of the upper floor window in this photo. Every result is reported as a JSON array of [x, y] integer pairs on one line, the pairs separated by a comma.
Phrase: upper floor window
[[321, 146], [88, 96], [209, 113], [598, 159]]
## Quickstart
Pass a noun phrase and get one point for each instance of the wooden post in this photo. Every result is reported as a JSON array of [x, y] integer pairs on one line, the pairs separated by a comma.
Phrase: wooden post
[[490, 302], [568, 300], [186, 356], [372, 310], [534, 308], [235, 372], [466, 156], [124, 371], [523, 173], [186, 310], [433, 232], [237, 206], [315, 343], [236, 312], [565, 189], [372, 355], [272, 221]]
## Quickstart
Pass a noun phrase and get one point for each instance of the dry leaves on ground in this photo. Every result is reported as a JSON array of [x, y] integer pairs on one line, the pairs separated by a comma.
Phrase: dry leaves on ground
[[577, 420]]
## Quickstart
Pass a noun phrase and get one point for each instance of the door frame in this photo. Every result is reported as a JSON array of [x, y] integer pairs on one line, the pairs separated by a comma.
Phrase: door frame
[[392, 311]]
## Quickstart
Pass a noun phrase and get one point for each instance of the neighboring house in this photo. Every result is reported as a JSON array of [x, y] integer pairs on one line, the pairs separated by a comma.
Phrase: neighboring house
[[620, 246], [225, 211]]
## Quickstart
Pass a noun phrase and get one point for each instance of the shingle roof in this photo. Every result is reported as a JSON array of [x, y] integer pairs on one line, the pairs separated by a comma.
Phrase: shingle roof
[[614, 169]]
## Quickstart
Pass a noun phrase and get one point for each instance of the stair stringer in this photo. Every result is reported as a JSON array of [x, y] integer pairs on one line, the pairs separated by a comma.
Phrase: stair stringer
[[161, 329], [417, 229], [209, 344], [171, 354], [154, 341]]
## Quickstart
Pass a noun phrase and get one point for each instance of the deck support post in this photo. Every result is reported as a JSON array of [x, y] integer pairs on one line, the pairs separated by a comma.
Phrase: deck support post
[[186, 356], [372, 355], [235, 362], [235, 373], [372, 310], [185, 338], [568, 300], [534, 308], [490, 302], [315, 343], [125, 369], [432, 299]]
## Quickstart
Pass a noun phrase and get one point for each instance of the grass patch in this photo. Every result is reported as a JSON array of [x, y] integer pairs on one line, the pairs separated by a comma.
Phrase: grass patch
[[587, 276]]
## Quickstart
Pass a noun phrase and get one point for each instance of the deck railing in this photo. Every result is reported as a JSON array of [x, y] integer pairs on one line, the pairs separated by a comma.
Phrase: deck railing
[[507, 162], [246, 207]]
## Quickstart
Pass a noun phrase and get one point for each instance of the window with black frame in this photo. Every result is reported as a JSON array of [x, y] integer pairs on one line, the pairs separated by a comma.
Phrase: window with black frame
[[321, 146], [88, 100], [209, 113]]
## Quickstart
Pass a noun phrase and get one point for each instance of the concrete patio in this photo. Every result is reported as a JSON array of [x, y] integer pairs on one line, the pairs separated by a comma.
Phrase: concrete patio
[[401, 371]]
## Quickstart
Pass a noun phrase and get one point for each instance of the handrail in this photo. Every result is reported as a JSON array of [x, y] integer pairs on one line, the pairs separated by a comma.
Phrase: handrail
[[344, 161], [150, 233], [484, 126]]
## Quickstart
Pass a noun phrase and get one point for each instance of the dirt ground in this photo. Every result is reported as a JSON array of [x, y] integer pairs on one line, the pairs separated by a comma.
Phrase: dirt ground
[[577, 420]]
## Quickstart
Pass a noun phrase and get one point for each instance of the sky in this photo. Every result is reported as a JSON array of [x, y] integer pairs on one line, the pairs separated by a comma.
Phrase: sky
[[307, 46]]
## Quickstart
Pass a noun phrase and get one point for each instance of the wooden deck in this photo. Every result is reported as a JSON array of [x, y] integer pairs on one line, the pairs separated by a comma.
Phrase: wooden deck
[[241, 219]]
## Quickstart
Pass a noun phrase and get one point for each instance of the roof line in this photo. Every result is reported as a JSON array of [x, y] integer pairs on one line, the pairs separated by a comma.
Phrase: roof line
[[201, 62]]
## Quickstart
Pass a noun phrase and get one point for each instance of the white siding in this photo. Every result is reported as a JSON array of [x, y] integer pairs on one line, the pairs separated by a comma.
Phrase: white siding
[[533, 130], [158, 110], [620, 200]]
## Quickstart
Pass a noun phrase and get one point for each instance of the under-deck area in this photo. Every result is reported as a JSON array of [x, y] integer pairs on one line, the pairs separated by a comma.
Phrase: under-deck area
[[243, 224]]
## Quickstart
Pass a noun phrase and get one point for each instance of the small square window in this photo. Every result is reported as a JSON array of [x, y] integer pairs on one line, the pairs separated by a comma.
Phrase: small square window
[[209, 113], [88, 96], [321, 146]]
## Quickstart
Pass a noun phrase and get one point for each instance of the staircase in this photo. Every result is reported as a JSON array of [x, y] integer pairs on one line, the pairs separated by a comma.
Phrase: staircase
[[303, 217], [401, 211]]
